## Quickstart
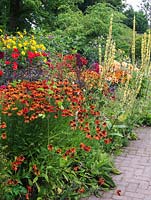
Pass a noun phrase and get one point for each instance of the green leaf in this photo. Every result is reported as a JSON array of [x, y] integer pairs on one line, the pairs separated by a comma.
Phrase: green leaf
[[35, 179], [46, 177], [116, 134], [37, 187]]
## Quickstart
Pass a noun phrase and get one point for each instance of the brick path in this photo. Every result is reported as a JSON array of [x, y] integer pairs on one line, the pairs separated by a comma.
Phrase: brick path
[[135, 165]]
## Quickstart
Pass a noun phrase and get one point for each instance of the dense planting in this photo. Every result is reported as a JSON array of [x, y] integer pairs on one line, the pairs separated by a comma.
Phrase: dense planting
[[63, 115]]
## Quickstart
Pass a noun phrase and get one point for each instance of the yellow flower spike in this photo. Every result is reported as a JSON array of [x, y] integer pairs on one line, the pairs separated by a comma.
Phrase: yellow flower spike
[[25, 48]]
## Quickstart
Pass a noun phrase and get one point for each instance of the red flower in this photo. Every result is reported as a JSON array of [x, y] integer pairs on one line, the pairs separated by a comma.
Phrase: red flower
[[1, 73], [15, 65], [15, 50], [31, 55], [15, 55], [29, 189], [25, 110], [27, 196], [7, 62]]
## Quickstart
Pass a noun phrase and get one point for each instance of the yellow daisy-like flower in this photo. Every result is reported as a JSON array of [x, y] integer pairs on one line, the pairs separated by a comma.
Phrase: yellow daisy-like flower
[[23, 53]]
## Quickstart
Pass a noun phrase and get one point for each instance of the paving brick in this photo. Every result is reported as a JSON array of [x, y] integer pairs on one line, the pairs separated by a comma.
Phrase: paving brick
[[135, 165], [134, 194], [132, 187]]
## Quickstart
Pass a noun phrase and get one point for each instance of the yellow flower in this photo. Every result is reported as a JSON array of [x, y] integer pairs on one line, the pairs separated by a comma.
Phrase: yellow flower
[[33, 42], [33, 48], [8, 46], [20, 45], [14, 38], [14, 47], [38, 46], [25, 43], [23, 53], [13, 42]]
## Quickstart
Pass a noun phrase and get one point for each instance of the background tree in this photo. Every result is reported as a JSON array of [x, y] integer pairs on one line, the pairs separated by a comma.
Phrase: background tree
[[146, 8], [21, 14], [141, 20], [117, 4]]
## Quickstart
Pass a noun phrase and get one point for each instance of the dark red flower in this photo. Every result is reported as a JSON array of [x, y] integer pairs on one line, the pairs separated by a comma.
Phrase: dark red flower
[[1, 55], [118, 192]]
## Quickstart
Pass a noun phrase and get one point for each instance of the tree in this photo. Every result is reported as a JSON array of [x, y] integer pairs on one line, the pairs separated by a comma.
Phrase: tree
[[117, 4], [141, 20], [21, 14], [146, 8]]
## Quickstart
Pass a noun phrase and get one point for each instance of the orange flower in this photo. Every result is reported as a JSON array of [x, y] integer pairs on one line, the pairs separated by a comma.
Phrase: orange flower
[[84, 147], [97, 122], [81, 190], [58, 151], [97, 137], [76, 168], [3, 125], [89, 136], [104, 133], [49, 147], [107, 141], [3, 136], [104, 124]]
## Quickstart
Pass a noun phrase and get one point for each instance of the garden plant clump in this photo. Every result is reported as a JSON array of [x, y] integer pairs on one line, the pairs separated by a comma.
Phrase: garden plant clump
[[62, 117]]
